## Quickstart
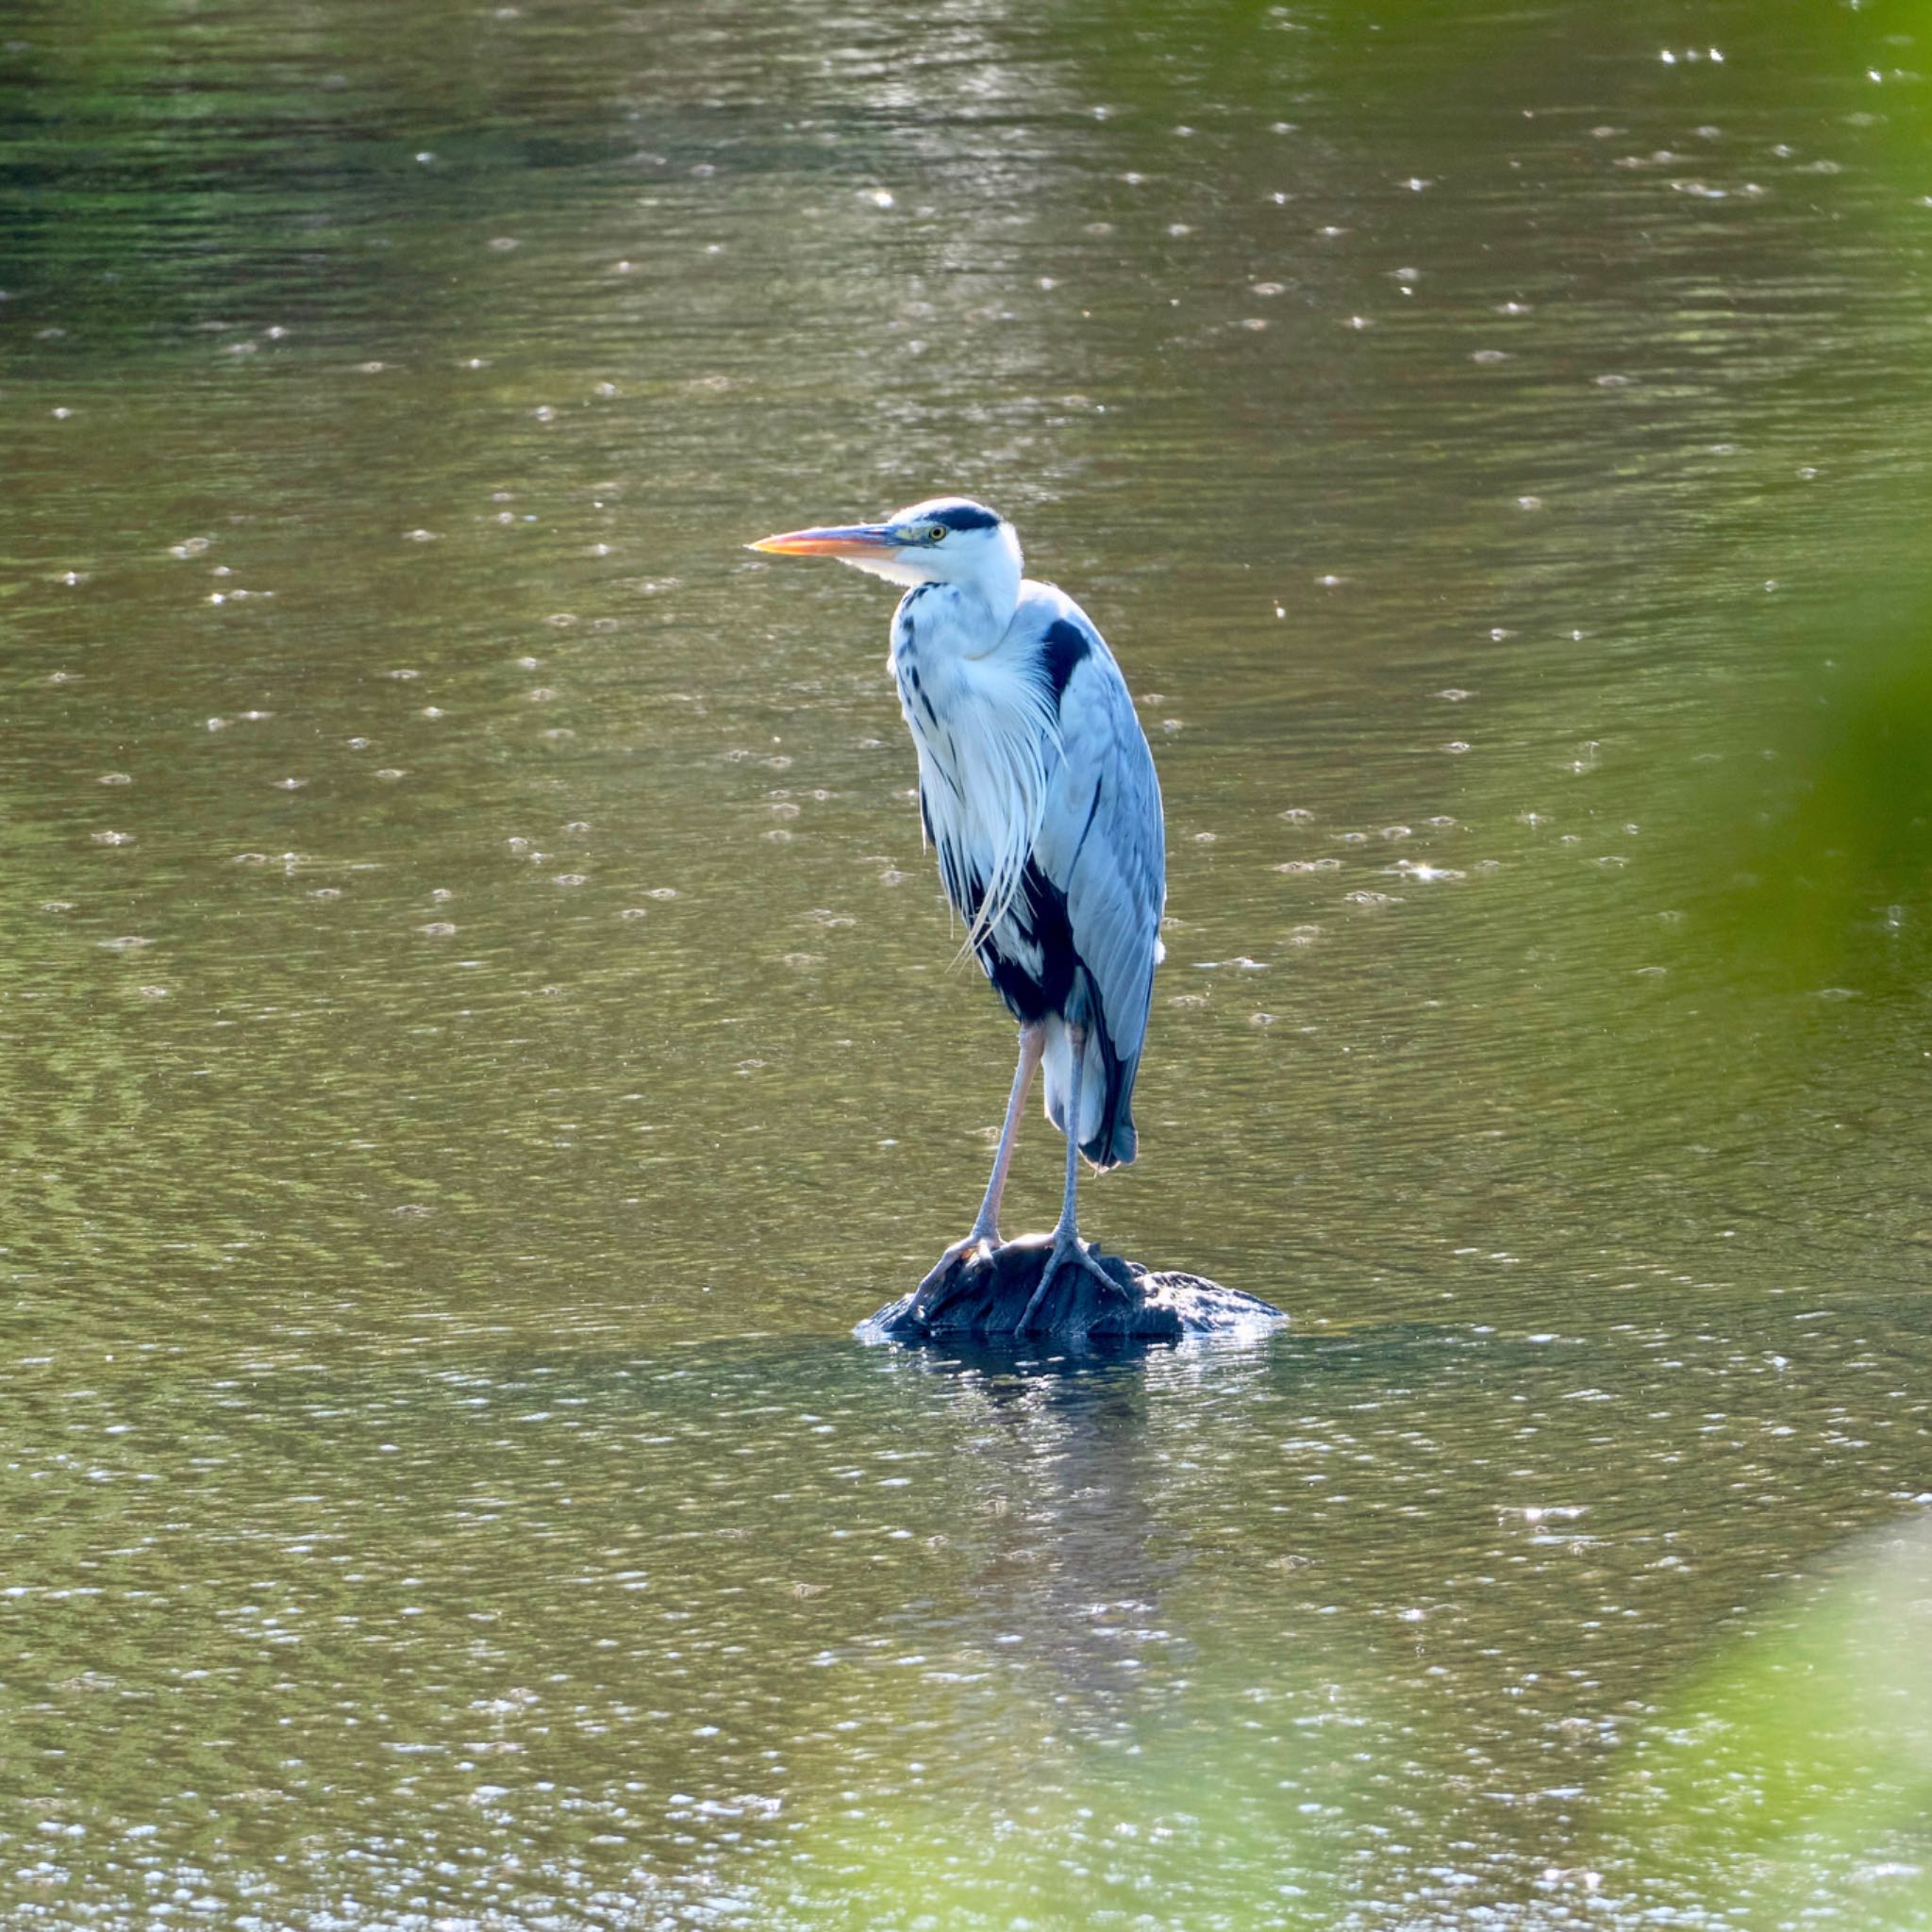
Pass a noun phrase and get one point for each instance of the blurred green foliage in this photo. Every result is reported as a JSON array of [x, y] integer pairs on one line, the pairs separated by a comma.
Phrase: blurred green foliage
[[1825, 874], [1795, 1780], [1792, 1780]]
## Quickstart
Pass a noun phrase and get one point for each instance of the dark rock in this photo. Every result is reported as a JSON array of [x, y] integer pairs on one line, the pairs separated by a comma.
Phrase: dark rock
[[983, 1299]]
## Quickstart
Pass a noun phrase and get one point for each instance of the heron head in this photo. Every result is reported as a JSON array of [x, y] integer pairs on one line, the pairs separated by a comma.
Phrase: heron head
[[945, 540]]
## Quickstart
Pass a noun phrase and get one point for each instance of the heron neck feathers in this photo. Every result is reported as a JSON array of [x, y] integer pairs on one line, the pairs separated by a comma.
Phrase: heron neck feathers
[[987, 733]]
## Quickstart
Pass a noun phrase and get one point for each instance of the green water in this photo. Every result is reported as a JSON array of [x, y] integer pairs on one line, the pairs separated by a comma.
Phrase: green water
[[479, 1026]]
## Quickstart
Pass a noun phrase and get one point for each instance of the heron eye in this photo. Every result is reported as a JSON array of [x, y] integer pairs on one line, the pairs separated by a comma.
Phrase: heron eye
[[936, 533]]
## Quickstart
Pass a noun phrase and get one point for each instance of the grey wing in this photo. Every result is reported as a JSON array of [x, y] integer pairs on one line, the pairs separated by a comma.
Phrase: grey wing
[[1102, 844]]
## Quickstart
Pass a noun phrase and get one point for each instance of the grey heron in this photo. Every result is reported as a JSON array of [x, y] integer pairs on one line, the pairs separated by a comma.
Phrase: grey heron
[[1037, 789]]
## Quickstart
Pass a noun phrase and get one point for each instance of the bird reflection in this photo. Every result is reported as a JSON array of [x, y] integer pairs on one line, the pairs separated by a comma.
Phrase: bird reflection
[[1071, 1560]]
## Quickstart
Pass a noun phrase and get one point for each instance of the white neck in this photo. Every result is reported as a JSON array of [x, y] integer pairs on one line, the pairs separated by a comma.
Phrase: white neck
[[977, 611]]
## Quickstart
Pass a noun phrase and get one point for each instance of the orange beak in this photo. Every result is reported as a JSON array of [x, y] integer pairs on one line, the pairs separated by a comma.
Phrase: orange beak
[[850, 539]]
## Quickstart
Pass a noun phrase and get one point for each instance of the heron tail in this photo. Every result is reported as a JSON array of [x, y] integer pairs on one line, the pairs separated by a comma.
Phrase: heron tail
[[1107, 1094], [1114, 1143]]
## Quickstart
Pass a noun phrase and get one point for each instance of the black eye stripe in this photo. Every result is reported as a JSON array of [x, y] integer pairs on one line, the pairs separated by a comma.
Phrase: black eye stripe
[[966, 516]]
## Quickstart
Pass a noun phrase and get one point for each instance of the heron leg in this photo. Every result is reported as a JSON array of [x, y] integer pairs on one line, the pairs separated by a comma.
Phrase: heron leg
[[1068, 1249], [984, 1235], [986, 1225]]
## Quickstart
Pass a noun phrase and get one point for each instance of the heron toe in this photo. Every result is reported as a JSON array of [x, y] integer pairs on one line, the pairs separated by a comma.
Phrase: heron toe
[[1069, 1251], [949, 1272]]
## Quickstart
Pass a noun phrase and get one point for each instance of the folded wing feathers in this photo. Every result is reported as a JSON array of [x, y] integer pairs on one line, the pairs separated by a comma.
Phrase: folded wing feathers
[[1108, 854], [1065, 780]]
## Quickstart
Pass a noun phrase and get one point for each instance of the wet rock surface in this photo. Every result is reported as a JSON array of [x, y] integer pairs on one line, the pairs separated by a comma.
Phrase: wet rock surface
[[984, 1297]]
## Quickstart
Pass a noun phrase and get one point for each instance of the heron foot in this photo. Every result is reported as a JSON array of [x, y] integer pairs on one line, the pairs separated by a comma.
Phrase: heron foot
[[939, 1285], [1069, 1251]]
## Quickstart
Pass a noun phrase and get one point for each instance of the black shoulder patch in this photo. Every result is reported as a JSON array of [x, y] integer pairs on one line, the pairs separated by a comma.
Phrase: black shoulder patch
[[1064, 645], [966, 516]]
